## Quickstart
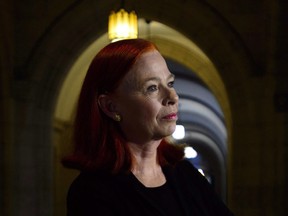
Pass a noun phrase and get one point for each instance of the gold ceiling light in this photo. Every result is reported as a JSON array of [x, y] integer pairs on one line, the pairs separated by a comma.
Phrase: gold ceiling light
[[122, 25]]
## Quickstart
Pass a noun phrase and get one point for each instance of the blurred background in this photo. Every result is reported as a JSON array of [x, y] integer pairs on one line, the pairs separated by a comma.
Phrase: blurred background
[[230, 61]]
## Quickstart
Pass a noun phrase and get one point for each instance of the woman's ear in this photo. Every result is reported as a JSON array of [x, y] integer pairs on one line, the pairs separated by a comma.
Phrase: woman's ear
[[107, 105]]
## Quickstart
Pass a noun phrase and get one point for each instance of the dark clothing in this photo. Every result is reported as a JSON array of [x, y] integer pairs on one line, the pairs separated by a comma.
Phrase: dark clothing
[[163, 197], [96, 193]]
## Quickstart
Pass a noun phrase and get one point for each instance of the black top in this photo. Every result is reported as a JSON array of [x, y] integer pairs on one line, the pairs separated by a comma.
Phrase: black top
[[163, 196], [186, 192]]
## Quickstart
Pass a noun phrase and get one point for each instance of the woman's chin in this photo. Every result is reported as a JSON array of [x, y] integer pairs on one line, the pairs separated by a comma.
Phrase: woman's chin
[[170, 130]]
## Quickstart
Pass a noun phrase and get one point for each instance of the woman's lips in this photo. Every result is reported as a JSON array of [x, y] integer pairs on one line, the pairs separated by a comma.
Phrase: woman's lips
[[171, 116]]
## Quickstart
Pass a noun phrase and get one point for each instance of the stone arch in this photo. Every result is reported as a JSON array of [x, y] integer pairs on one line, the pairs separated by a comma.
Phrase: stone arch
[[82, 24]]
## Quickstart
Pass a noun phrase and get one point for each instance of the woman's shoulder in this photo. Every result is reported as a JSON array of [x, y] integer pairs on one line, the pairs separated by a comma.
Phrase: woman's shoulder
[[91, 186], [90, 194], [92, 177], [196, 188], [186, 167], [87, 183], [185, 173]]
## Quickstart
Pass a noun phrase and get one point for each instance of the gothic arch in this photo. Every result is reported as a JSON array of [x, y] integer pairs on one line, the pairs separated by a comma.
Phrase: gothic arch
[[83, 23]]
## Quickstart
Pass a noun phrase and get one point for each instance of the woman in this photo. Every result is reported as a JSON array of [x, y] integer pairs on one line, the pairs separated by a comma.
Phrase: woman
[[127, 107]]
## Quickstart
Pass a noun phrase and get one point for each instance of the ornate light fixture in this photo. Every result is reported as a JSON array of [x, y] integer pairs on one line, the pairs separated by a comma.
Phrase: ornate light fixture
[[122, 25]]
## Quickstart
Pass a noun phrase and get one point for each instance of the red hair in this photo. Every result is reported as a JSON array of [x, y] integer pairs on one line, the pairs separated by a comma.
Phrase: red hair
[[98, 142]]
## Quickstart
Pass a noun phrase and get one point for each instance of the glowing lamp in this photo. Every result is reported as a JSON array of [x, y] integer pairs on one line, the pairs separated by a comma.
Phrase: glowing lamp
[[122, 25], [190, 152], [179, 132]]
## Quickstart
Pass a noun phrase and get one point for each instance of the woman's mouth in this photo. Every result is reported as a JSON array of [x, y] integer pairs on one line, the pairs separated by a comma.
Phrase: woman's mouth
[[171, 116]]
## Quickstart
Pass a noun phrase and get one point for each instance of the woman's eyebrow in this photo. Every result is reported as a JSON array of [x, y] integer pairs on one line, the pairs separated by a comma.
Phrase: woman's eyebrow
[[171, 76], [152, 79], [158, 78]]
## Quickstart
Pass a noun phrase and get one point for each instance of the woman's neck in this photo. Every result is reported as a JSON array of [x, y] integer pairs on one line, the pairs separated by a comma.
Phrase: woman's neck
[[145, 166]]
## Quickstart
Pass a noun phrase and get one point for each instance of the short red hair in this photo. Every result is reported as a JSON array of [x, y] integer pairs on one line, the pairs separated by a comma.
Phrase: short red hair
[[98, 142]]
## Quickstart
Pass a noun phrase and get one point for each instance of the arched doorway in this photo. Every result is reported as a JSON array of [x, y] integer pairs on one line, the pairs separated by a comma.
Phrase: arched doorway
[[176, 48], [76, 30]]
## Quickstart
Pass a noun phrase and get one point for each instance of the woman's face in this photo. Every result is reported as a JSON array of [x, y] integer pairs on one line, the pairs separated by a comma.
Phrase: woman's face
[[146, 100]]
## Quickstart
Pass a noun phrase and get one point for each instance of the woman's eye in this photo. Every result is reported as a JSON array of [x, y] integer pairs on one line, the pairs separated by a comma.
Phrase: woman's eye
[[171, 84], [152, 88]]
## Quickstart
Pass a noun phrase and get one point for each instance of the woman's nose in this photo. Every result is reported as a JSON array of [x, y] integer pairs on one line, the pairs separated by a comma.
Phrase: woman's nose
[[171, 97]]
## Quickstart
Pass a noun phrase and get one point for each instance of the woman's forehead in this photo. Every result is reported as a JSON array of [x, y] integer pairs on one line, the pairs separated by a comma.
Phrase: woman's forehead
[[149, 62], [149, 65]]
